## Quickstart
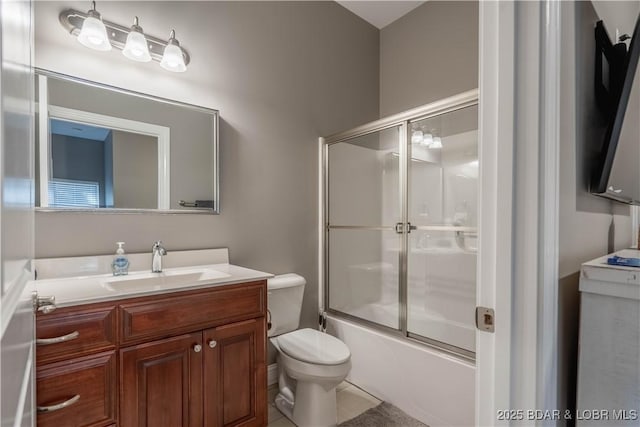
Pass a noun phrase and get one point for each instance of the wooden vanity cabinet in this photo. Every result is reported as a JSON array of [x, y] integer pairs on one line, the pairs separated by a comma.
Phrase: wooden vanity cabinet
[[76, 367], [190, 359]]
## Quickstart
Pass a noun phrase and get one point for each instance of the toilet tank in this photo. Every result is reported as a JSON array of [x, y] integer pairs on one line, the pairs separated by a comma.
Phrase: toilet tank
[[284, 298]]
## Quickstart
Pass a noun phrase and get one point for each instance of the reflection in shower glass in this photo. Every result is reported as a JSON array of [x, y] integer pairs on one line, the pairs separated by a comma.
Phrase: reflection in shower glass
[[443, 205], [363, 208]]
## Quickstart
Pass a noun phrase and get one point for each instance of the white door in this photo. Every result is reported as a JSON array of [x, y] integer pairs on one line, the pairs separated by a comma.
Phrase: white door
[[16, 215]]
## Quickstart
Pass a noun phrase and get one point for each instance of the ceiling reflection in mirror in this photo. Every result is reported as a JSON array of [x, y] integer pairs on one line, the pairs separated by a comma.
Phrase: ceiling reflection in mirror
[[105, 149]]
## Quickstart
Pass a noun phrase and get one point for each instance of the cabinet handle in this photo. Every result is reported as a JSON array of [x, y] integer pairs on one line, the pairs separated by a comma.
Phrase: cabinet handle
[[212, 343], [65, 404], [197, 348], [48, 341]]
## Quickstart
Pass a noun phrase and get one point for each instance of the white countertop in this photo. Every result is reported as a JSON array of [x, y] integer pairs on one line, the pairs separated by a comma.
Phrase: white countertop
[[88, 279], [598, 277], [70, 291]]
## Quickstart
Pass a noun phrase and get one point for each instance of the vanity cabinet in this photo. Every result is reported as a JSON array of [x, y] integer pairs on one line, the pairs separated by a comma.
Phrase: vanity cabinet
[[191, 359], [76, 366]]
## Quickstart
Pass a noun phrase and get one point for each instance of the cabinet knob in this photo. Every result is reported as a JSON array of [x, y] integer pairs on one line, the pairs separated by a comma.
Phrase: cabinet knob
[[212, 343], [197, 348]]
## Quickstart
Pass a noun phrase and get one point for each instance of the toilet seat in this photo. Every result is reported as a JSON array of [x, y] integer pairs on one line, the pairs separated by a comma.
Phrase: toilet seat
[[311, 346]]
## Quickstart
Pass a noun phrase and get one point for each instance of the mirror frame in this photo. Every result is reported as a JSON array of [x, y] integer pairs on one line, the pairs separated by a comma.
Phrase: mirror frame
[[44, 116]]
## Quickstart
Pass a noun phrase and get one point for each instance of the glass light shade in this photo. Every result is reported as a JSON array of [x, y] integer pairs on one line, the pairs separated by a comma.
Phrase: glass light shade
[[427, 139], [172, 60], [94, 34], [437, 142], [136, 47], [416, 137]]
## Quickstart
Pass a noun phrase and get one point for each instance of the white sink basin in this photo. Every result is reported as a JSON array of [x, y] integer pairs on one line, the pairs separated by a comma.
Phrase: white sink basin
[[166, 279]]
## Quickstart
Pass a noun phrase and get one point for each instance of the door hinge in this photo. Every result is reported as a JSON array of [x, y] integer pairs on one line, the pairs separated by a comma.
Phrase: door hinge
[[485, 319]]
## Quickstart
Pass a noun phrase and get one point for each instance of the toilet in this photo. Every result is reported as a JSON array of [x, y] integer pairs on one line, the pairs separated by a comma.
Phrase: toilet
[[311, 364]]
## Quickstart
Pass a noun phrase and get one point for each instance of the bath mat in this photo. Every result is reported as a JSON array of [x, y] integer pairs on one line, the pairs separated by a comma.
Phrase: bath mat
[[383, 415]]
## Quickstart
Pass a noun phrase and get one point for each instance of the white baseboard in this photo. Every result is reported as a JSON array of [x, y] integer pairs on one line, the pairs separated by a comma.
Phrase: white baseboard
[[272, 374]]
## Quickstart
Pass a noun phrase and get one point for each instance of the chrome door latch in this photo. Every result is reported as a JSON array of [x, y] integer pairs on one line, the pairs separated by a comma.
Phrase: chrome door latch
[[485, 319]]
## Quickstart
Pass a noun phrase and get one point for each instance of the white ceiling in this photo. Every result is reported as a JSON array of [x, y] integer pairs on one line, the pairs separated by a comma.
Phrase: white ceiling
[[380, 13]]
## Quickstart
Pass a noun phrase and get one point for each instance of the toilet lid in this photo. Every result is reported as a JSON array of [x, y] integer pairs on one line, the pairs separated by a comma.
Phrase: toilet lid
[[311, 346]]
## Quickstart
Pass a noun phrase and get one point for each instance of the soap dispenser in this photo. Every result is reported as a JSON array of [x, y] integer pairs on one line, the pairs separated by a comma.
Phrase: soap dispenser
[[120, 264]]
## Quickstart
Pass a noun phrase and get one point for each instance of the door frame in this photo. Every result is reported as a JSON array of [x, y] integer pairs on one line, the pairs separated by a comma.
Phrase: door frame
[[517, 366]]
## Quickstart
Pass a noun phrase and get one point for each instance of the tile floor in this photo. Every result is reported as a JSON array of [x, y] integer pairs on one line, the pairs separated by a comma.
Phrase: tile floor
[[351, 402]]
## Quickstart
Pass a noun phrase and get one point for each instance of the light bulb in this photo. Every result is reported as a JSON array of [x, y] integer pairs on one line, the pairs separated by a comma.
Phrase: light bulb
[[136, 47], [93, 33], [172, 59], [437, 142], [416, 137]]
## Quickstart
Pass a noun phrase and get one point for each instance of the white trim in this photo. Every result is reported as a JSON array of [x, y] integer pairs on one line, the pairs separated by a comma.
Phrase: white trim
[[163, 134], [27, 384], [495, 257], [272, 374], [43, 139], [321, 224], [13, 294], [635, 227], [548, 247]]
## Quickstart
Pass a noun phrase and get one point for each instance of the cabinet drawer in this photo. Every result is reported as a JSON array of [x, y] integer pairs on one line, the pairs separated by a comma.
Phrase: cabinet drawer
[[87, 384], [75, 331], [165, 316]]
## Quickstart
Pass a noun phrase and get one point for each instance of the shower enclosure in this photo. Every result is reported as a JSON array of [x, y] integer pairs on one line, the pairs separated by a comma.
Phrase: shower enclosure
[[400, 224]]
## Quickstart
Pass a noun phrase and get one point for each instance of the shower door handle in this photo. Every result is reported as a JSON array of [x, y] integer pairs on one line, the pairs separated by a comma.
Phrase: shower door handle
[[400, 227]]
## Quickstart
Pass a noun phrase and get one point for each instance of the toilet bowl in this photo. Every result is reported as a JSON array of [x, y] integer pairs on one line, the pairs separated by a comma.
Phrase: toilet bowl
[[311, 363]]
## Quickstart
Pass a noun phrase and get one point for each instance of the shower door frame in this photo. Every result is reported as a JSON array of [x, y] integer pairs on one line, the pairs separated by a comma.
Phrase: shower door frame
[[402, 120]]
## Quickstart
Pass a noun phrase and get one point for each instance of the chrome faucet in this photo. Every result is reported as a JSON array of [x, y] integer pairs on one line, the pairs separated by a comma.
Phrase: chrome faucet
[[156, 257]]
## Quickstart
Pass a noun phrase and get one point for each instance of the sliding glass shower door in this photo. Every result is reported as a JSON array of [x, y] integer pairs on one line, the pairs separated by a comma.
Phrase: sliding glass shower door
[[400, 211], [443, 208], [363, 210]]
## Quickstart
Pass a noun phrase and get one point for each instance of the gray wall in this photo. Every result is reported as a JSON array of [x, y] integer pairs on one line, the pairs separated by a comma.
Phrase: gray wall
[[281, 73], [135, 170], [589, 227], [428, 54]]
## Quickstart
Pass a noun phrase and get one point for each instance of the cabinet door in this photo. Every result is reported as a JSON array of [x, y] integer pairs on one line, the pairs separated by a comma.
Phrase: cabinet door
[[161, 383], [235, 375]]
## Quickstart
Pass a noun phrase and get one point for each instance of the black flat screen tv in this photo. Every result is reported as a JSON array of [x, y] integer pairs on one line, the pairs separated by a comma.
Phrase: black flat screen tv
[[615, 174]]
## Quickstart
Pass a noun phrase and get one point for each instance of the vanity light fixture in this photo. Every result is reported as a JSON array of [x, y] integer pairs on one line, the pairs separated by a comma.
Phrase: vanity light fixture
[[136, 47], [437, 142], [93, 33], [96, 33], [172, 58], [417, 137]]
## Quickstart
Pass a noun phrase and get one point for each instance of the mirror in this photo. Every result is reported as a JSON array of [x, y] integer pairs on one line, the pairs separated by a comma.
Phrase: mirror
[[104, 149]]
